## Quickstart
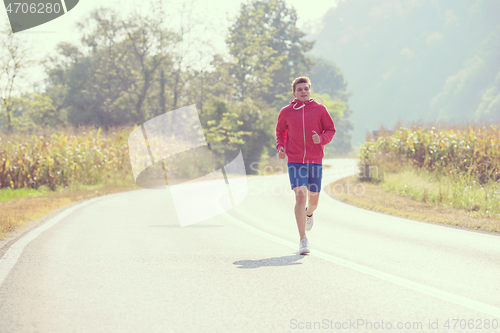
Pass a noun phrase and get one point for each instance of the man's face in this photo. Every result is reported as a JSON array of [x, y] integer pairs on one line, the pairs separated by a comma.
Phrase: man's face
[[302, 92]]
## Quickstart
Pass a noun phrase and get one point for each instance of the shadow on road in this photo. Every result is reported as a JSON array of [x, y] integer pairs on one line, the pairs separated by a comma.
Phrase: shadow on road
[[276, 261]]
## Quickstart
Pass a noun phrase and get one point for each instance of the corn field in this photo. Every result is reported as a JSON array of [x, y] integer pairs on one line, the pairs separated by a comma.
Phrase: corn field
[[474, 152], [60, 160]]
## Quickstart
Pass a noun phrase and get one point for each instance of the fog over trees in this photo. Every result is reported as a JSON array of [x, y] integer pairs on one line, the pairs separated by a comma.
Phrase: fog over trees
[[410, 60]]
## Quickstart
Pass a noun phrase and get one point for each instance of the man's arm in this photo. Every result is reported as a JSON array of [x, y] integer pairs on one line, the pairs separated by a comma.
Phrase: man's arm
[[328, 127], [281, 131]]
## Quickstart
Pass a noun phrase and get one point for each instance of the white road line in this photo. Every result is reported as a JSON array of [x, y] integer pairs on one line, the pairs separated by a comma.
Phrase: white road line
[[431, 291], [10, 258], [8, 261]]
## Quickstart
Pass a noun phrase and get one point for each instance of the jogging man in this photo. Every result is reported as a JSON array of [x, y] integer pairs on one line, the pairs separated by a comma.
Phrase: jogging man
[[303, 128]]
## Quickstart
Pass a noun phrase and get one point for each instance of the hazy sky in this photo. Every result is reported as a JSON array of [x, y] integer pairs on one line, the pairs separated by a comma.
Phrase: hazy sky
[[44, 38]]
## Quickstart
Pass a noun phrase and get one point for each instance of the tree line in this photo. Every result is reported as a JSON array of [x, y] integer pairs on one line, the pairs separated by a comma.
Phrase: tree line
[[126, 71]]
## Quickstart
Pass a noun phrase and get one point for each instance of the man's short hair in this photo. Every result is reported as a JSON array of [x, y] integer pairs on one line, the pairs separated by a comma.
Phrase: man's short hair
[[301, 79]]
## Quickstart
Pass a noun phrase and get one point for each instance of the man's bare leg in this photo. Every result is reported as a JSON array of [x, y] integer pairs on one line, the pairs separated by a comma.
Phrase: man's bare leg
[[300, 209], [313, 202]]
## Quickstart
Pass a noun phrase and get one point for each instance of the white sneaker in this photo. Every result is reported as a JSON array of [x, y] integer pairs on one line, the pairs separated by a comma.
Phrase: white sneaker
[[304, 246], [309, 222]]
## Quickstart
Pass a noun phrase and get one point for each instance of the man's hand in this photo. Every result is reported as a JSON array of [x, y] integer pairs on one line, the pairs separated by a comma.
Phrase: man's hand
[[316, 138], [282, 152]]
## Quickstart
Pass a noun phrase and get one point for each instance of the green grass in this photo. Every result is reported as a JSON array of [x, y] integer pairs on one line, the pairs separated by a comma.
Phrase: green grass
[[460, 192], [7, 194], [118, 179], [375, 198]]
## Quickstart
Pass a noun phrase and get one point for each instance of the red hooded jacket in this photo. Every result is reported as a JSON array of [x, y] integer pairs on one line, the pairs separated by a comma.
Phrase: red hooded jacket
[[294, 131]]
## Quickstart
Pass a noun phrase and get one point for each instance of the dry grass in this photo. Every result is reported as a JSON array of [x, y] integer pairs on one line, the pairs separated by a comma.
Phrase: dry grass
[[373, 197], [18, 213]]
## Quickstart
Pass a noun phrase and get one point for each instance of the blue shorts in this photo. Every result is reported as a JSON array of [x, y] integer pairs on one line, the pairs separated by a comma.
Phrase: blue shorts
[[306, 175]]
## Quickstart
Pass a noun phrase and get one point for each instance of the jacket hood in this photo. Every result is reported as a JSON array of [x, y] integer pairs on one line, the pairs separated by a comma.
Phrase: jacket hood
[[296, 104], [306, 102]]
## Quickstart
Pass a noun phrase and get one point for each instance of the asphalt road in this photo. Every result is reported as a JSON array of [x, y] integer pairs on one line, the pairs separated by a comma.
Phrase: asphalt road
[[122, 263]]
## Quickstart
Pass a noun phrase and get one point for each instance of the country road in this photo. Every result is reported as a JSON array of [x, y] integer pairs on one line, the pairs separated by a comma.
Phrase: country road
[[122, 263]]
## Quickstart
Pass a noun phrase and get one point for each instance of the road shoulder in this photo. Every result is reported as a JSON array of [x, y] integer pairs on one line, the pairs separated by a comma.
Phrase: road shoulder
[[371, 197], [28, 213]]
